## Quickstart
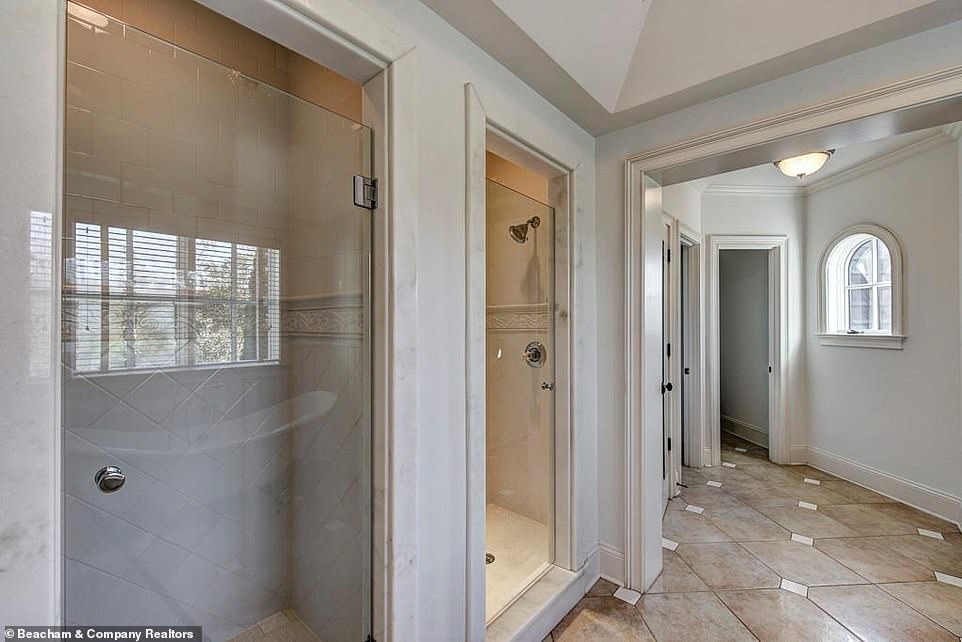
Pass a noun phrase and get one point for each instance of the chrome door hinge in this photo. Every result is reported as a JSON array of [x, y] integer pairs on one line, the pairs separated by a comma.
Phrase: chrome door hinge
[[365, 192]]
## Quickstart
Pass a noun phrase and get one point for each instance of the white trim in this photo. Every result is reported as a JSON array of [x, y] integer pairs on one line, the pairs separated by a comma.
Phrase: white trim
[[643, 518], [894, 341], [756, 190], [778, 336], [536, 612], [744, 430], [482, 131], [612, 563], [884, 341], [920, 496]]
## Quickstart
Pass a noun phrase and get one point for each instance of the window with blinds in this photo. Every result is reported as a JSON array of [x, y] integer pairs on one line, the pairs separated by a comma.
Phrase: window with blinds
[[139, 299]]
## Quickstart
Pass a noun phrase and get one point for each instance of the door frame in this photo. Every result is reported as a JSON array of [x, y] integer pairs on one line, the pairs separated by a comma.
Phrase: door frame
[[692, 348], [483, 132], [777, 248], [642, 297]]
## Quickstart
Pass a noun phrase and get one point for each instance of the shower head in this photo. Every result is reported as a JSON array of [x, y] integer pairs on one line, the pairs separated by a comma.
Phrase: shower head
[[520, 232]]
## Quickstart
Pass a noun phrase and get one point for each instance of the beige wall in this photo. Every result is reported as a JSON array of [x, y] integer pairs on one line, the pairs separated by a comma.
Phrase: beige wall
[[518, 178], [213, 36]]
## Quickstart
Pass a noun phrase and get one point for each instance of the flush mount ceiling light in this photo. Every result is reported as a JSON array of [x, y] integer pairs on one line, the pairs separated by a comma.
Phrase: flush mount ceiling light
[[801, 166]]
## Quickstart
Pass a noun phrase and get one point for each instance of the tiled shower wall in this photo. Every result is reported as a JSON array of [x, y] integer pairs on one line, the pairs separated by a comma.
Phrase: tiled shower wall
[[519, 415], [244, 483]]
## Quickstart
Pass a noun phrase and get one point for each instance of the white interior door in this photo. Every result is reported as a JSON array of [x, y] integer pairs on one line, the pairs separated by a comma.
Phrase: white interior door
[[666, 384]]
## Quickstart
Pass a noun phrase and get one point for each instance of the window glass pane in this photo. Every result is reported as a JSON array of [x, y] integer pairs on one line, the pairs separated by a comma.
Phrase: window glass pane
[[885, 308], [860, 309], [142, 334], [212, 333], [860, 266], [884, 263]]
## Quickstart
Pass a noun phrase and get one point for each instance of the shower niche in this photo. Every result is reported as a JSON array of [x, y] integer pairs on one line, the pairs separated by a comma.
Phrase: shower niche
[[520, 383]]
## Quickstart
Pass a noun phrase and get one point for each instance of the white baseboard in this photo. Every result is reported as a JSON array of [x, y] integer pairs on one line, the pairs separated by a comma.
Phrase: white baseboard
[[749, 432], [612, 564], [798, 454], [904, 490]]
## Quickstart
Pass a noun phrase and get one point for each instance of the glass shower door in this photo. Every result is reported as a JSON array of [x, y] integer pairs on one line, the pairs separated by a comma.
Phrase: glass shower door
[[216, 348], [520, 398]]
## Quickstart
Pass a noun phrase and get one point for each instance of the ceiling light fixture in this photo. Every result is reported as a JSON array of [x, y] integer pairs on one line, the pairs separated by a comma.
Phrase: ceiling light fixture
[[801, 166]]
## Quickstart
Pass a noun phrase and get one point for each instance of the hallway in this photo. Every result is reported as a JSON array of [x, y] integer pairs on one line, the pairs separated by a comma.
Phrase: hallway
[[786, 552]]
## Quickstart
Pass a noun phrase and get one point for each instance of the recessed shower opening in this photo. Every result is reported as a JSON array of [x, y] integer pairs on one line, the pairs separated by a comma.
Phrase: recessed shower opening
[[217, 331], [520, 383]]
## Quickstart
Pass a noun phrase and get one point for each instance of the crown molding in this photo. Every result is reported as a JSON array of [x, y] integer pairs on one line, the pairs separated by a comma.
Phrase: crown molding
[[879, 162], [953, 130], [756, 190]]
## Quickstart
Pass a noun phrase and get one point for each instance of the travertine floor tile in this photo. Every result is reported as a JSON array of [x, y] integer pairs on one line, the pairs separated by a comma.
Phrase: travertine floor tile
[[602, 618], [869, 519], [854, 493], [682, 527], [602, 588], [943, 556], [807, 522], [690, 617], [873, 560], [812, 473], [814, 494], [774, 614], [941, 602], [746, 524], [727, 566], [676, 576], [872, 614], [803, 564], [917, 518]]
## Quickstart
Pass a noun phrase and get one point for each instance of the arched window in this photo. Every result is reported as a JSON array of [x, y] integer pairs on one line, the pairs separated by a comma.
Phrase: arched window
[[860, 289]]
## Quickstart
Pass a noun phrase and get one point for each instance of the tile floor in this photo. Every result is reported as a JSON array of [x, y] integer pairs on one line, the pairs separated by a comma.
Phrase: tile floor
[[284, 626], [856, 561], [521, 552]]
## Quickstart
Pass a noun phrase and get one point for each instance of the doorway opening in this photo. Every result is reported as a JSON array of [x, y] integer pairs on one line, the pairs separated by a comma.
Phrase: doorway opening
[[520, 382], [745, 360]]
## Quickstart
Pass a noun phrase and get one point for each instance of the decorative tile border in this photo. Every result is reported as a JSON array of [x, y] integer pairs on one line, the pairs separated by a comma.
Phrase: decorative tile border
[[519, 316], [339, 315]]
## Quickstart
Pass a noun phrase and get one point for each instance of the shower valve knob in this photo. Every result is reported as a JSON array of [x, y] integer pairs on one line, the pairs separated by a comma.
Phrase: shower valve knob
[[109, 479]]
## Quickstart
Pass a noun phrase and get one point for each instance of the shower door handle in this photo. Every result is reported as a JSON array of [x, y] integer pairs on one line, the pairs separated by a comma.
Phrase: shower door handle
[[547, 386]]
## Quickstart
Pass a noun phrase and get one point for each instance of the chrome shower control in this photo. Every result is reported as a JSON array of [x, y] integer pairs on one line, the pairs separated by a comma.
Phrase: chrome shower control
[[535, 354], [109, 479]]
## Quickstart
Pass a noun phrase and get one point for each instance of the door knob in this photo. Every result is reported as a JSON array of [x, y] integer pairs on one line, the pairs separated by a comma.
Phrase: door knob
[[666, 387], [109, 479], [547, 386]]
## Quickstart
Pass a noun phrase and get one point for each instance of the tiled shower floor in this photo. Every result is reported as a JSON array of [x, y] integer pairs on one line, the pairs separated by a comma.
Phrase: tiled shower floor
[[284, 626], [520, 546], [868, 572]]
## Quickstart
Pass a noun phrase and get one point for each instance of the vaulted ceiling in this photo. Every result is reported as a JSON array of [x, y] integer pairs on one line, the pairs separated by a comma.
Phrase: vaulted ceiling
[[612, 63]]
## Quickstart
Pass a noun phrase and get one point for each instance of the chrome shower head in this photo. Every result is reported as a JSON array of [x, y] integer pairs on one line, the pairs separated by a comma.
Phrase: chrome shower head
[[520, 232]]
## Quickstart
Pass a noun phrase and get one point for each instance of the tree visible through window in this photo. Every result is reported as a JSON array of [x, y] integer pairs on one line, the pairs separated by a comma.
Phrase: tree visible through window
[[142, 299], [869, 288]]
